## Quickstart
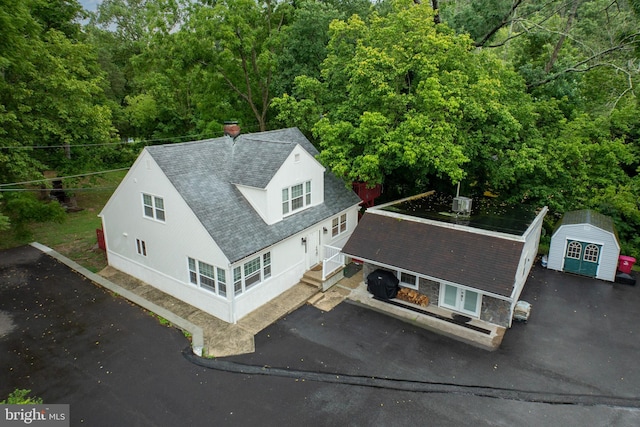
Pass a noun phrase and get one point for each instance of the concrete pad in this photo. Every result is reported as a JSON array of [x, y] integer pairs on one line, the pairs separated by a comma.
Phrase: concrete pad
[[331, 298], [351, 282]]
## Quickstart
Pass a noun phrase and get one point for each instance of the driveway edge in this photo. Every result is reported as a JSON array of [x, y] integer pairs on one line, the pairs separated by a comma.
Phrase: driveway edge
[[197, 336]]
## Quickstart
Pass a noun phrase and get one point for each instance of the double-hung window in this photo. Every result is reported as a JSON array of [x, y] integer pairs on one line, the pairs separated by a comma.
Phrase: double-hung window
[[153, 207], [251, 273], [296, 197], [207, 276], [266, 265], [339, 225]]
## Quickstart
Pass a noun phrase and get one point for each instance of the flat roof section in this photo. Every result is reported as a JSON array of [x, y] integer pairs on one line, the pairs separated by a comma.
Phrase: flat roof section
[[487, 213]]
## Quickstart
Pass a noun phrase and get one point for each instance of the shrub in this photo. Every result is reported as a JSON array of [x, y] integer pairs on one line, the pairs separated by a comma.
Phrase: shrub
[[21, 397]]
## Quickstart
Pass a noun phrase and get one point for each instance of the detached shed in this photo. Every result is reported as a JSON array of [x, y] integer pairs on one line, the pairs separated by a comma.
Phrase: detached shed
[[585, 242]]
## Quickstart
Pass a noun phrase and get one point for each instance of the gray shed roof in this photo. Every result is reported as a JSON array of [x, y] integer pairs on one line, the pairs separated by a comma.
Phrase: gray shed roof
[[204, 173], [587, 216]]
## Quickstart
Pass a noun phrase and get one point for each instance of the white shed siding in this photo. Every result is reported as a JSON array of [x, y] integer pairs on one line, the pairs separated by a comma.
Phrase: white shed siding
[[610, 250]]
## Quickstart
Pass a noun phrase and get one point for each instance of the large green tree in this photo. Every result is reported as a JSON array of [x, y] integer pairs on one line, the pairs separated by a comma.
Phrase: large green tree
[[135, 41], [51, 89], [234, 43], [400, 96]]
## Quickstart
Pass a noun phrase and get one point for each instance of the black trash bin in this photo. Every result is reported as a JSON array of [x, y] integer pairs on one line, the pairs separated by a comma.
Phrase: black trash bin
[[383, 284]]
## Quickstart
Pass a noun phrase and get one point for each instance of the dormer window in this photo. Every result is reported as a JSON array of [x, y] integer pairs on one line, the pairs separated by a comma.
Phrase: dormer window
[[296, 197]]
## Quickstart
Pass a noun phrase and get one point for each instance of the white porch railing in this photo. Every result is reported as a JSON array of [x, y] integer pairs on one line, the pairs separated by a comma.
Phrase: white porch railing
[[333, 260]]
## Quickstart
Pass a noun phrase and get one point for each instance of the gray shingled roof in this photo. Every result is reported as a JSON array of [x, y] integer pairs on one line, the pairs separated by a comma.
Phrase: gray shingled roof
[[587, 216], [480, 261], [204, 173]]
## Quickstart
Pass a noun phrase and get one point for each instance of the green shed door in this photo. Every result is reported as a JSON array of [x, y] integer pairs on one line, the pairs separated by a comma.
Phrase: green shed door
[[582, 258]]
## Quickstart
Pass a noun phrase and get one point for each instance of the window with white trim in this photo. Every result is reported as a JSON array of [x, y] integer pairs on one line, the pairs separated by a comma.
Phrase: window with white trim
[[266, 265], [574, 250], [591, 253], [296, 197], [141, 247], [338, 225], [153, 207], [251, 273], [237, 280], [409, 280], [207, 276]]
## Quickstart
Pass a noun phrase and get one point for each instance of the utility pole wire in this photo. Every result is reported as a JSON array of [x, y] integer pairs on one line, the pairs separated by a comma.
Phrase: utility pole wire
[[6, 190], [63, 177], [143, 141]]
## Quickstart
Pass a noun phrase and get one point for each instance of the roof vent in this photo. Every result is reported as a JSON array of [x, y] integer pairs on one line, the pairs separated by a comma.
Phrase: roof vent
[[462, 206]]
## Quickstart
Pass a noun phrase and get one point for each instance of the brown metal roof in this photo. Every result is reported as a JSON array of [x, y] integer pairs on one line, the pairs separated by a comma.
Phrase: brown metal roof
[[480, 261]]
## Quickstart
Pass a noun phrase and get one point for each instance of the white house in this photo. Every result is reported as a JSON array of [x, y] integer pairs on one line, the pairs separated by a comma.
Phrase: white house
[[227, 224], [585, 242]]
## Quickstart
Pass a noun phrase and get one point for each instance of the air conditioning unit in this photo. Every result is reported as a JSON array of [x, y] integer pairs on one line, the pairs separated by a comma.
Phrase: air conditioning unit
[[462, 205]]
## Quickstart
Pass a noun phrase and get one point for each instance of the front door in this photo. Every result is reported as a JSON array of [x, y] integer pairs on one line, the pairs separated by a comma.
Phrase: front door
[[313, 249], [582, 258]]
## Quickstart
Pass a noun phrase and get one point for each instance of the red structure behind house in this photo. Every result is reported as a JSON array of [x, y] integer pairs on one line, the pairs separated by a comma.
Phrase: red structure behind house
[[367, 195], [100, 235]]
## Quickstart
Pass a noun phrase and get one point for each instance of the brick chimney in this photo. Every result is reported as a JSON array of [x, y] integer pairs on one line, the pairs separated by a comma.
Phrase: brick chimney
[[231, 129]]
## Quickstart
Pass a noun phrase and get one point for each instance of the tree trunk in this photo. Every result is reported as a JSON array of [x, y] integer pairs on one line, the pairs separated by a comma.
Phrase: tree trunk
[[563, 36], [436, 17]]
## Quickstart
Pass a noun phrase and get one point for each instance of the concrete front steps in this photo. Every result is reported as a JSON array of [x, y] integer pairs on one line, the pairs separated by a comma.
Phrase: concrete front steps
[[313, 277]]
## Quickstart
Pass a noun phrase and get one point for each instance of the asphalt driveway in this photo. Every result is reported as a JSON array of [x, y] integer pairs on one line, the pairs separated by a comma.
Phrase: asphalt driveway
[[575, 363]]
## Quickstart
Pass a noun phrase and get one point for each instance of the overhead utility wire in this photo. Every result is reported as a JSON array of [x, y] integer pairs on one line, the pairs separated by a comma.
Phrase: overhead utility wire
[[63, 177], [64, 189], [144, 141]]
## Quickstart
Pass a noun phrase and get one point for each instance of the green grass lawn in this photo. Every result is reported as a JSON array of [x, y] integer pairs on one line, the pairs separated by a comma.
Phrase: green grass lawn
[[75, 237]]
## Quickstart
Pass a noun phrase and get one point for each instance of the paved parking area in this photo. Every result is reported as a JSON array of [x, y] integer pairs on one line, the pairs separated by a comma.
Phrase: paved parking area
[[574, 363]]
